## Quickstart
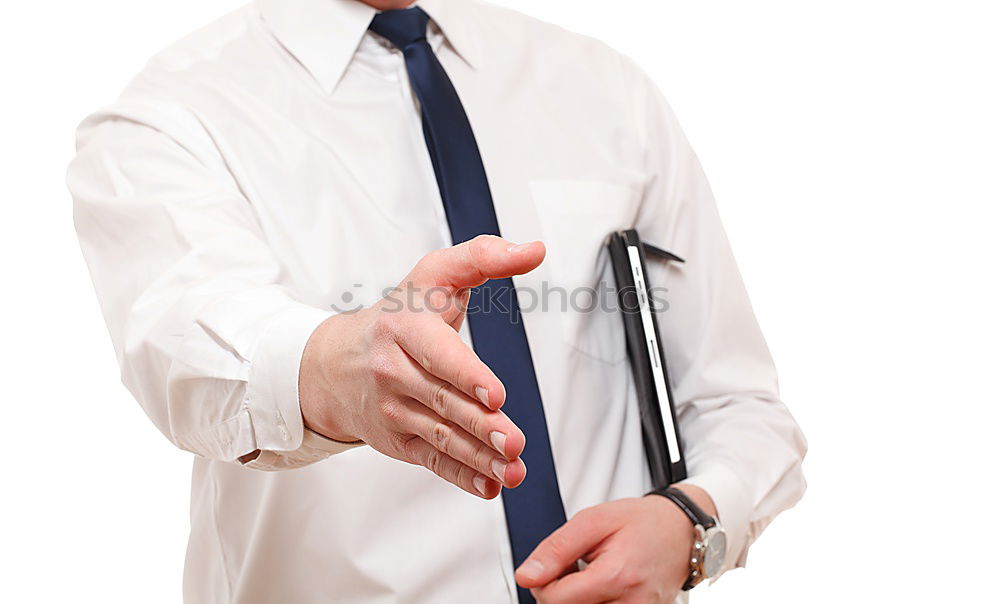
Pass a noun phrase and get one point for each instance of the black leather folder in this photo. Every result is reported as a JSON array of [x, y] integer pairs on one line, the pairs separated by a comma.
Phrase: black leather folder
[[660, 433]]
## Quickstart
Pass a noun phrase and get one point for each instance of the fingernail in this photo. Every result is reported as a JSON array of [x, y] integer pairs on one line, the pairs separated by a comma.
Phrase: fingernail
[[483, 395], [517, 249], [499, 469], [531, 569], [499, 439], [480, 483]]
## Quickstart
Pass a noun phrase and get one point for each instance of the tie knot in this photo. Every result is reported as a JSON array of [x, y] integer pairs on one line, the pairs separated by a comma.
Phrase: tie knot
[[401, 27]]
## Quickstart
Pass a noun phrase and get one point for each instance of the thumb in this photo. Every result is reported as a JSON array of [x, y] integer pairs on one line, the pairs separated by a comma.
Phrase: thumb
[[563, 548], [472, 263]]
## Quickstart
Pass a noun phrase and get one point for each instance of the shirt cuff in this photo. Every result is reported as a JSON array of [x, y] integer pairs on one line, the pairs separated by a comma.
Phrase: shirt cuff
[[733, 505], [315, 447], [273, 383]]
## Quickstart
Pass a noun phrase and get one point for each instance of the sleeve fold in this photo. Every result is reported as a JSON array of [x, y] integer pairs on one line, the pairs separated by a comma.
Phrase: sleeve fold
[[208, 331]]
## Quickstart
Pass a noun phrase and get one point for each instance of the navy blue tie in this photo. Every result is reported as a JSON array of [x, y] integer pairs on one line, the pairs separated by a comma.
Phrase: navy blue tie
[[534, 509]]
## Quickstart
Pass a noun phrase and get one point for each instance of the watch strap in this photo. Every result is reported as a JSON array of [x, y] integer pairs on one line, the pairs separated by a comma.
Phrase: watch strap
[[687, 505], [698, 517]]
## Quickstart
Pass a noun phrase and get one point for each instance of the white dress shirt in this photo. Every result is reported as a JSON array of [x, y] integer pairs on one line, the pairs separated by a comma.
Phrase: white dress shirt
[[270, 170]]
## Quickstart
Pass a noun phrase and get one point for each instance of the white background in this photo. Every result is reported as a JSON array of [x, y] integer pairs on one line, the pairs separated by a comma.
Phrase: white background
[[854, 148]]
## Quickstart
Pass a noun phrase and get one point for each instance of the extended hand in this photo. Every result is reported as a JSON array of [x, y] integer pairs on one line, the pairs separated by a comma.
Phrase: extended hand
[[636, 550], [399, 377]]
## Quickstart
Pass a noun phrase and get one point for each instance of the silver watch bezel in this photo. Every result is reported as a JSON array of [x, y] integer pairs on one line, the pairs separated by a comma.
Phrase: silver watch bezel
[[703, 536], [716, 533]]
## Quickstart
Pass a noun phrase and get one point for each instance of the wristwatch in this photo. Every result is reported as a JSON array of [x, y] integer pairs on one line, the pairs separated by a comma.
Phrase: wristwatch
[[709, 551]]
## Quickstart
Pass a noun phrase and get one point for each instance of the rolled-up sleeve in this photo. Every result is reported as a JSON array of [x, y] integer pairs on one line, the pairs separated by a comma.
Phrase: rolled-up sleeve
[[208, 334], [741, 443]]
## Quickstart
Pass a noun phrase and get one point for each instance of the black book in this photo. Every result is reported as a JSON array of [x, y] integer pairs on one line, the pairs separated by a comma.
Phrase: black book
[[660, 434]]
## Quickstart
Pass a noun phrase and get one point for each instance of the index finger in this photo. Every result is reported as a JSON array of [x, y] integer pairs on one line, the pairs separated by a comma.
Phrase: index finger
[[441, 352]]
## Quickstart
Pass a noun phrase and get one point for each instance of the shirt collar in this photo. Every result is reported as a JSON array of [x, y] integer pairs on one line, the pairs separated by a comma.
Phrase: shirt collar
[[324, 34]]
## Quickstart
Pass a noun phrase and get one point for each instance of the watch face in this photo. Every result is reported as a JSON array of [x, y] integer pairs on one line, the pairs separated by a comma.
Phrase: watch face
[[715, 552]]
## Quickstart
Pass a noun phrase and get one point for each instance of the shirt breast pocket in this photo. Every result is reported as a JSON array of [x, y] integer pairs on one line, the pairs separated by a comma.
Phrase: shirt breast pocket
[[576, 218]]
